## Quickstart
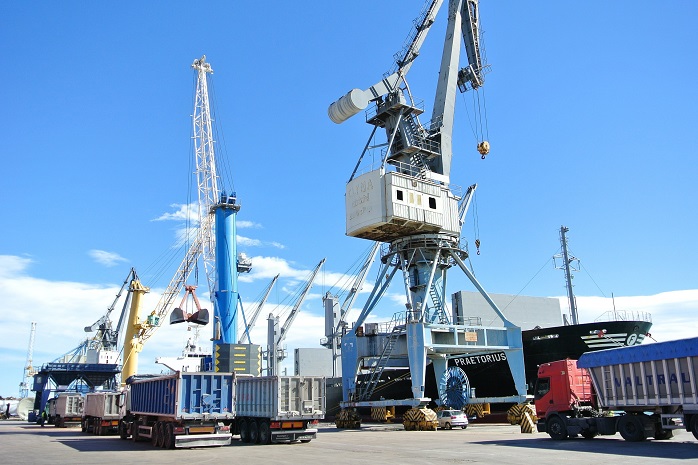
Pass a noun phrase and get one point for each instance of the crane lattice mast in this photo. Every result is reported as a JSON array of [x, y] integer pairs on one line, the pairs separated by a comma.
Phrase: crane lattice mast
[[203, 241], [205, 167], [28, 368]]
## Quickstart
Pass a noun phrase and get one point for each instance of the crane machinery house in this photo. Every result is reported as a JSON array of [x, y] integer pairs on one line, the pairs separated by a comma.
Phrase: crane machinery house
[[383, 207]]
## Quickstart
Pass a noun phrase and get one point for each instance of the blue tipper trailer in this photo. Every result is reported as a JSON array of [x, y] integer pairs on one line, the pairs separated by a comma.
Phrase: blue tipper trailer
[[181, 410]]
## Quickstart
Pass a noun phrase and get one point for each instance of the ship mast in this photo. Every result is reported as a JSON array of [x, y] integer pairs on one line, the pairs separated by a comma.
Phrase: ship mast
[[568, 259]]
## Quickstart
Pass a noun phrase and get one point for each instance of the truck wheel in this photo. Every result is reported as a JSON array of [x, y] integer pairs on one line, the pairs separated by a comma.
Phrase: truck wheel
[[631, 428], [586, 434], [134, 431], [254, 432], [556, 428], [154, 434], [264, 432], [83, 425], [694, 426], [167, 433], [123, 432], [663, 434], [244, 431], [162, 433]]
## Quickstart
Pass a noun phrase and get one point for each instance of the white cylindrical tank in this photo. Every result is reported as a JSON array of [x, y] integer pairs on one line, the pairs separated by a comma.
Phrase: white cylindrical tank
[[24, 407], [349, 105]]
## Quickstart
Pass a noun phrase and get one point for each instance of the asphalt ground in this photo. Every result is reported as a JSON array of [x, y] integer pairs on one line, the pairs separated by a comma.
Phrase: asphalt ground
[[25, 443]]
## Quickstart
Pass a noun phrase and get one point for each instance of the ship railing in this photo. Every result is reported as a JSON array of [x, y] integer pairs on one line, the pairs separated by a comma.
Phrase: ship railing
[[624, 315]]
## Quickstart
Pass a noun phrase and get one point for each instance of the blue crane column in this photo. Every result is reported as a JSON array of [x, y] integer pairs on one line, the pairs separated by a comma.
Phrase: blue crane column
[[226, 294]]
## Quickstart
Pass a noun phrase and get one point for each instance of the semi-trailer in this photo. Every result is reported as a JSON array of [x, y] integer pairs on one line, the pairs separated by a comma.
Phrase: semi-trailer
[[100, 414], [197, 409], [272, 409], [641, 391], [66, 409], [179, 410]]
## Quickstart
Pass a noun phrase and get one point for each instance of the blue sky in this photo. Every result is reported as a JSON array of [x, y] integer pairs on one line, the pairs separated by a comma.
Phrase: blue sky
[[591, 115]]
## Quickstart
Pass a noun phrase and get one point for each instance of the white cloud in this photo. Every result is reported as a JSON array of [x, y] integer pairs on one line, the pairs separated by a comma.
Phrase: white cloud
[[247, 224], [249, 242], [11, 266], [188, 212], [106, 258], [62, 309]]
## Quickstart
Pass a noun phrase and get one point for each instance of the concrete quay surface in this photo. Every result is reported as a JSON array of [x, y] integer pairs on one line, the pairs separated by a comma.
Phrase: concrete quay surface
[[25, 443]]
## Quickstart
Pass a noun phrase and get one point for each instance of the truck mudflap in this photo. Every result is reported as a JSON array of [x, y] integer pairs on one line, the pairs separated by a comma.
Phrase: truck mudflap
[[202, 440], [291, 435]]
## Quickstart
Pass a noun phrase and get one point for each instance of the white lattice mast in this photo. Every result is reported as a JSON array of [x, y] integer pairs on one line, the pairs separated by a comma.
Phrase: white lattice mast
[[28, 368], [203, 243], [206, 175]]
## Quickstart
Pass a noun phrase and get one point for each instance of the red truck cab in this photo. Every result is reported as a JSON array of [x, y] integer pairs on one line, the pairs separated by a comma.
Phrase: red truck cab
[[562, 387]]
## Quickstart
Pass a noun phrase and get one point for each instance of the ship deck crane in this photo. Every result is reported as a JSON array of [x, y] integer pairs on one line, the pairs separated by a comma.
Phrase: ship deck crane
[[408, 203], [276, 336]]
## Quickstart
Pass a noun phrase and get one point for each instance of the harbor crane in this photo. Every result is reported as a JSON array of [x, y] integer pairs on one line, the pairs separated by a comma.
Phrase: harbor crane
[[277, 335], [216, 210], [28, 368], [406, 200], [245, 338]]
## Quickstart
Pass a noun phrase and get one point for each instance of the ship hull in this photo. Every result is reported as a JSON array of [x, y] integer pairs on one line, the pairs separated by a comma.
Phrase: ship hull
[[557, 343]]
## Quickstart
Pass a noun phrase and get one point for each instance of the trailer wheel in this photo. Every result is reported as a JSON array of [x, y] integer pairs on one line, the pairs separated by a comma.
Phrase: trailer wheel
[[631, 428], [83, 425], [154, 436], [244, 431], [264, 432], [556, 428], [254, 432], [123, 432], [168, 440], [162, 434]]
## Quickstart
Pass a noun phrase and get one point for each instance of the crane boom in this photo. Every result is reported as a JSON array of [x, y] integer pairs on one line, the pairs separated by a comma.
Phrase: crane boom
[[357, 100], [294, 312], [356, 286], [106, 337], [422, 24], [276, 336], [255, 313]]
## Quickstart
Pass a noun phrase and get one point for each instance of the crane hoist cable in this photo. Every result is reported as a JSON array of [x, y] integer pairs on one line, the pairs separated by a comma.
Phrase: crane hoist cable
[[479, 128]]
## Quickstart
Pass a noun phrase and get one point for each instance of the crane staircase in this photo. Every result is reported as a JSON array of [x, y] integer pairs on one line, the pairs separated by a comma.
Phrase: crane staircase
[[376, 371]]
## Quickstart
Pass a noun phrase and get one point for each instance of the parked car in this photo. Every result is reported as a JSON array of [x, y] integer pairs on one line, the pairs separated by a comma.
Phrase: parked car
[[452, 418]]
